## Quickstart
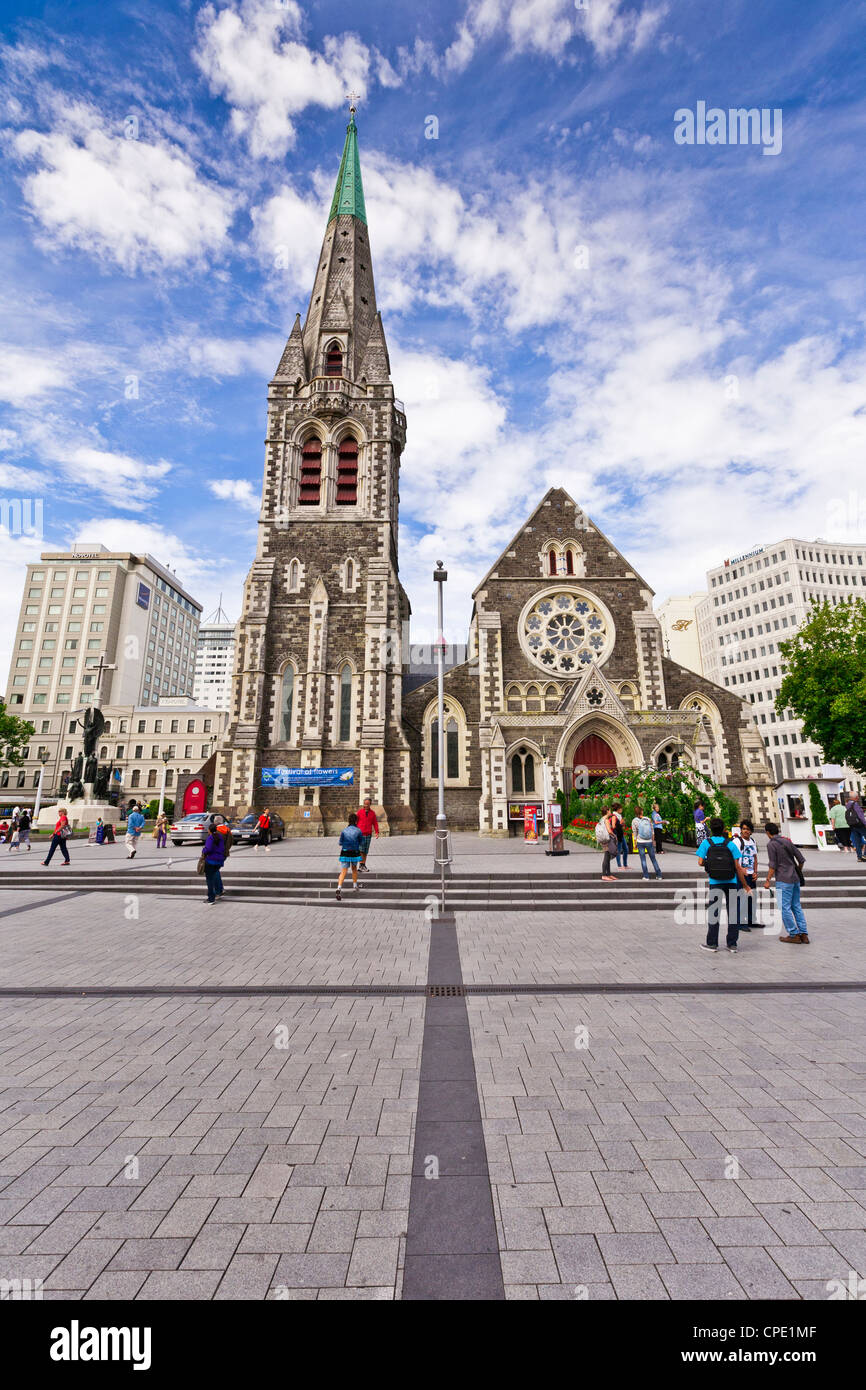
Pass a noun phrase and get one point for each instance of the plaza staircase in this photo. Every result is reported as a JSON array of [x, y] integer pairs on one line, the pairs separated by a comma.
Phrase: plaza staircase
[[554, 891]]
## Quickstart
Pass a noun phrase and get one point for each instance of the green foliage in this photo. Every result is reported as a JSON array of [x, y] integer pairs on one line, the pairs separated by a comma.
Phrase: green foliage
[[817, 806], [15, 734], [825, 680], [151, 810], [676, 793]]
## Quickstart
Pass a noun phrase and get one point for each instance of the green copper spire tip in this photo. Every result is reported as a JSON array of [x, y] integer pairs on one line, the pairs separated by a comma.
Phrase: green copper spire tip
[[348, 199]]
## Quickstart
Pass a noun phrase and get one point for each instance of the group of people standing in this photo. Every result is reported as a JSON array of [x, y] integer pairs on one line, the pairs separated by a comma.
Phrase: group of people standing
[[18, 829], [848, 820], [731, 864], [647, 830]]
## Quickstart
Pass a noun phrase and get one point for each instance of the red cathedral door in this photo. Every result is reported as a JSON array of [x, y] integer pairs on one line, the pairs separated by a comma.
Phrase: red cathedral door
[[596, 755]]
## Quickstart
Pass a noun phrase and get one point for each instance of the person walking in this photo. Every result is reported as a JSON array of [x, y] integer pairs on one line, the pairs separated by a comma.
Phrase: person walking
[[700, 823], [350, 854], [24, 823], [840, 825], [785, 863], [134, 827], [621, 836], [856, 819], [14, 835], [642, 830], [62, 832], [368, 826], [721, 860], [264, 827], [161, 830], [214, 855], [658, 827]]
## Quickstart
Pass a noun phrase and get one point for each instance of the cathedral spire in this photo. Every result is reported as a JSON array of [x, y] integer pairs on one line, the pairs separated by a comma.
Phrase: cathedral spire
[[348, 196]]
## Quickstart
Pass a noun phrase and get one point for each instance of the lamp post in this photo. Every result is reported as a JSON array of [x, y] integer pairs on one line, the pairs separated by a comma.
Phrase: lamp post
[[543, 748], [43, 759], [442, 854], [166, 758]]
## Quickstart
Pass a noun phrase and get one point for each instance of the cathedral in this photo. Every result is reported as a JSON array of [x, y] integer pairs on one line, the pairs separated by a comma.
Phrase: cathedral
[[566, 677]]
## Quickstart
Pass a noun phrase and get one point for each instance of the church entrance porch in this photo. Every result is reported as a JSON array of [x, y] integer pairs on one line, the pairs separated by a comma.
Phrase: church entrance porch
[[593, 760]]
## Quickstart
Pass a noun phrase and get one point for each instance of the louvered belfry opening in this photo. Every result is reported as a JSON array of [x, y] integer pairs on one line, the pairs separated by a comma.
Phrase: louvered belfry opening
[[347, 473], [311, 472], [334, 361]]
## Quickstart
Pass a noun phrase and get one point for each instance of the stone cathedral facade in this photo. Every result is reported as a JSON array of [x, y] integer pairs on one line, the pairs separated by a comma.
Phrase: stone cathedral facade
[[566, 665]]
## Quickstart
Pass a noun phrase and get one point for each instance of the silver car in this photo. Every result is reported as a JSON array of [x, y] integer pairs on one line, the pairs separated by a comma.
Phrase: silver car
[[190, 830]]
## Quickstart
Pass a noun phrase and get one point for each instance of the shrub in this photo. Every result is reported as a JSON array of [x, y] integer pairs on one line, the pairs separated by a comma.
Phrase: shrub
[[817, 806]]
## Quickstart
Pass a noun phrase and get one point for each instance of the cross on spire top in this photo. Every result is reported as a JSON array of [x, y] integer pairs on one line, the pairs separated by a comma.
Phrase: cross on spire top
[[353, 98]]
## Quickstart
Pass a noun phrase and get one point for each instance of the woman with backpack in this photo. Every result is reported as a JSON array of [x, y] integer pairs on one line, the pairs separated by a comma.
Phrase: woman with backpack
[[24, 828], [642, 830], [62, 832], [351, 847], [605, 838]]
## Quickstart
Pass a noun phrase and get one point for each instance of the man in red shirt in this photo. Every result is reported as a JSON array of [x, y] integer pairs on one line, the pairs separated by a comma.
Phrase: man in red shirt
[[368, 826]]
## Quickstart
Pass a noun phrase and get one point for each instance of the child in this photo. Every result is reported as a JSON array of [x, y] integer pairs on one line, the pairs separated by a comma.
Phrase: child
[[350, 854]]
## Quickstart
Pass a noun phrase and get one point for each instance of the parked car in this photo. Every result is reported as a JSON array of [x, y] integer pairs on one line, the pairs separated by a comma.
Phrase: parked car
[[192, 829], [246, 831]]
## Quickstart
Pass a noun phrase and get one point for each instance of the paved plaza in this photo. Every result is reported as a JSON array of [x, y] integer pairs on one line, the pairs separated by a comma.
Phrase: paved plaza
[[264, 1101]]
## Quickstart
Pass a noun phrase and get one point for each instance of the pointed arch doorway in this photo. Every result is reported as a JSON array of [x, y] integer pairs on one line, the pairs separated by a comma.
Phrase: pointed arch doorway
[[593, 760]]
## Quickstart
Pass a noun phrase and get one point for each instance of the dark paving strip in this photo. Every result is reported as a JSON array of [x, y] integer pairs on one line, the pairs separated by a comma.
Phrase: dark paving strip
[[436, 999], [452, 1250], [47, 902]]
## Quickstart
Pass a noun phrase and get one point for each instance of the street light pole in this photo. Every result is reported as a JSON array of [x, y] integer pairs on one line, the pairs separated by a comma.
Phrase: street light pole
[[442, 854], [165, 761], [43, 759]]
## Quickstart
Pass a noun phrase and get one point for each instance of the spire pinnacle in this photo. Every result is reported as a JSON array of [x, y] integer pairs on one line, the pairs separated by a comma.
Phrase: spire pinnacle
[[348, 196]]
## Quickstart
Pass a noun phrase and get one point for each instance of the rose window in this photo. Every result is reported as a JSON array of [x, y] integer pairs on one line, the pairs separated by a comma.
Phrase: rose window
[[565, 632]]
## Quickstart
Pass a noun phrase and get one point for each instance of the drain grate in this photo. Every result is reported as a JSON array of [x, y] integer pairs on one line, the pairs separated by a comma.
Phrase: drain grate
[[445, 991]]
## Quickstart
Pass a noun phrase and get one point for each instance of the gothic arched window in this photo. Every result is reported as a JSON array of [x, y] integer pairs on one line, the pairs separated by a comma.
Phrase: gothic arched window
[[569, 562], [350, 574], [452, 748], [434, 748], [287, 699], [294, 576], [346, 704], [551, 561], [334, 360], [347, 472], [523, 771], [311, 472]]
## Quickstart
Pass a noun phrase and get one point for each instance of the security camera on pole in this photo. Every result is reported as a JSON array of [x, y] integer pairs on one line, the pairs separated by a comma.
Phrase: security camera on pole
[[442, 852]]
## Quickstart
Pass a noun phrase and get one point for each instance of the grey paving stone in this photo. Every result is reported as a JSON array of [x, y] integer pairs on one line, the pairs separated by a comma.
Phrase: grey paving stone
[[809, 1261], [312, 1271], [635, 1249], [696, 1281], [334, 1231], [177, 1285], [213, 1247], [638, 1282], [165, 1253], [444, 1217], [373, 1262], [578, 1259], [65, 1231], [86, 1260], [757, 1273], [117, 1286], [248, 1277]]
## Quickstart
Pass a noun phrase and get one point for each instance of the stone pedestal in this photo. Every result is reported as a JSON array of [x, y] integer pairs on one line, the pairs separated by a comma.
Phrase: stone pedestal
[[83, 814]]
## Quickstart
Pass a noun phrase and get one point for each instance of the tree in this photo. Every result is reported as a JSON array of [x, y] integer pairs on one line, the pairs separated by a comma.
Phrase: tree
[[825, 680], [15, 734], [817, 806]]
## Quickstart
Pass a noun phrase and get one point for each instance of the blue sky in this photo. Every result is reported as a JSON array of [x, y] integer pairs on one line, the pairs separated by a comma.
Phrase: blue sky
[[672, 332]]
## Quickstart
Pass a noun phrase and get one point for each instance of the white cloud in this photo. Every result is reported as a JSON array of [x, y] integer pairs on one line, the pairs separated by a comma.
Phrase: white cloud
[[238, 490], [198, 355], [138, 203], [549, 26], [25, 374], [253, 55]]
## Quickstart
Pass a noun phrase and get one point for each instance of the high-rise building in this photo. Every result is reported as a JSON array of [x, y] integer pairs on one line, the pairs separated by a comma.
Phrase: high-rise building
[[81, 604], [679, 619], [215, 662], [754, 602]]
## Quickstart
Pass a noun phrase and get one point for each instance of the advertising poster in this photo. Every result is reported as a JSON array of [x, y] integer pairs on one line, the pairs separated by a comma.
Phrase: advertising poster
[[307, 776], [530, 825]]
